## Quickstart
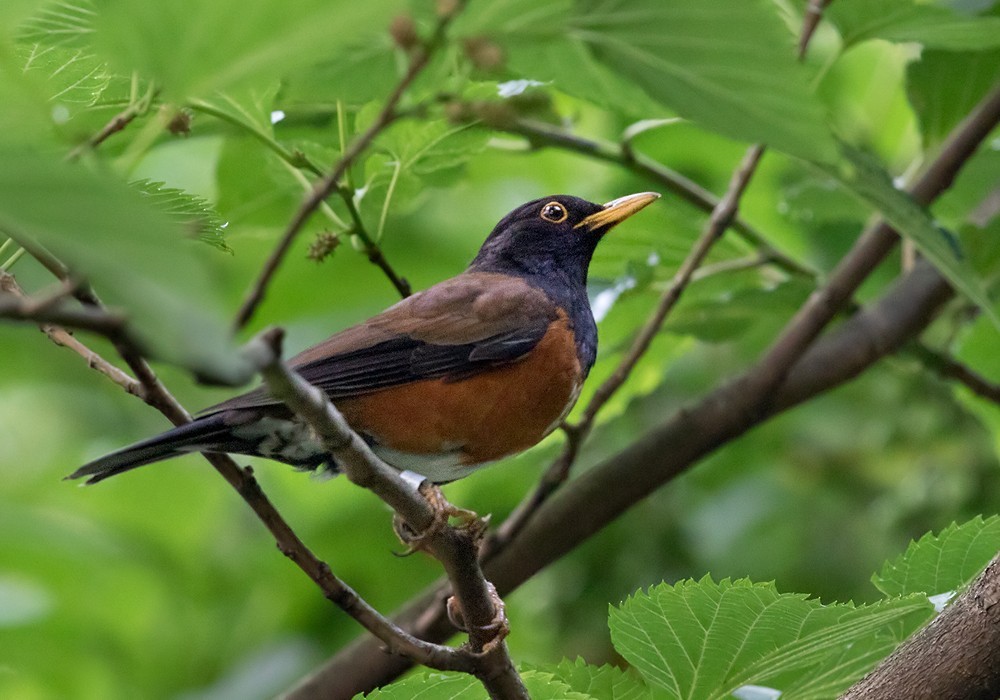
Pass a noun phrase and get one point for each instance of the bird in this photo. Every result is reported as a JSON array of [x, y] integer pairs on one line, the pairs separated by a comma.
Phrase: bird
[[471, 370]]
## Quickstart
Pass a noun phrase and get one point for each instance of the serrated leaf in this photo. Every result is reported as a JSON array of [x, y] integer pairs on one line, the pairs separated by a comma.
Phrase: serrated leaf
[[429, 686], [704, 639], [73, 76], [66, 23], [195, 48], [868, 181], [932, 25], [729, 66], [604, 682], [135, 256], [195, 216], [440, 686], [944, 562]]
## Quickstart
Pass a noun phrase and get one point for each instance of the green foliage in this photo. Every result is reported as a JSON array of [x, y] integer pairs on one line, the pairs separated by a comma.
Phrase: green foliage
[[707, 640], [160, 583], [98, 237], [943, 563], [927, 23]]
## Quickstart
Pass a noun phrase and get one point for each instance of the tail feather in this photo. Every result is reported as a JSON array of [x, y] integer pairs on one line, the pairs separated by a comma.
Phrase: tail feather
[[203, 434]]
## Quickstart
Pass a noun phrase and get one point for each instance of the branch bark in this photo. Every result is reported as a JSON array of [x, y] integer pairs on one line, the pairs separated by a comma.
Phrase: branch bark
[[955, 657], [612, 487]]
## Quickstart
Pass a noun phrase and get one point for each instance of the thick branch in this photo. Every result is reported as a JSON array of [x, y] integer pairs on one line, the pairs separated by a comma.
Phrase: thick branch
[[612, 487], [955, 657]]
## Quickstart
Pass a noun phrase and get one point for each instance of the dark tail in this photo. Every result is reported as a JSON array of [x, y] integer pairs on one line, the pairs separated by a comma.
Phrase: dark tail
[[202, 434]]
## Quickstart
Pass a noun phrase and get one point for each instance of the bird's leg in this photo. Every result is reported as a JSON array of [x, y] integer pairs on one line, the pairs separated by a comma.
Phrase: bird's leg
[[496, 631], [444, 512]]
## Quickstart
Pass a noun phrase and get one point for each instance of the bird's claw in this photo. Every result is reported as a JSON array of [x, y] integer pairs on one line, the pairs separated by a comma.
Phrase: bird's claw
[[444, 513], [494, 632]]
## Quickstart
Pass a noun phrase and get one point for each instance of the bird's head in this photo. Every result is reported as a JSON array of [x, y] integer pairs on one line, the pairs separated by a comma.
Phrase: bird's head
[[557, 233]]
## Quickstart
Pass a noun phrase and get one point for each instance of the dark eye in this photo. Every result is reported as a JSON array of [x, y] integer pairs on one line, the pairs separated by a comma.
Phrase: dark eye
[[554, 212]]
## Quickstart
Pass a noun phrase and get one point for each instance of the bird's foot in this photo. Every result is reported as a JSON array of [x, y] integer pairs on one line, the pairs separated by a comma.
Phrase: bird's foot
[[445, 515], [494, 632]]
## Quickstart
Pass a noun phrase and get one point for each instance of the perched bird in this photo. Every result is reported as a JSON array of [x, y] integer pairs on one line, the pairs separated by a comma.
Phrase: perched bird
[[476, 368]]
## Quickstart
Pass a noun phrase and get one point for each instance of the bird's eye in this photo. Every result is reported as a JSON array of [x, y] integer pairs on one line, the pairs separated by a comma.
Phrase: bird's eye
[[554, 212]]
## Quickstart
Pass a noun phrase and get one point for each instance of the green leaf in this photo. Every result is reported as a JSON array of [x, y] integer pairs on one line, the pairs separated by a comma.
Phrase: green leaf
[[604, 682], [867, 180], [194, 215], [357, 75], [706, 640], [134, 255], [429, 686], [410, 156], [440, 686], [72, 76], [942, 563], [730, 66], [939, 100], [66, 23], [194, 48], [932, 25]]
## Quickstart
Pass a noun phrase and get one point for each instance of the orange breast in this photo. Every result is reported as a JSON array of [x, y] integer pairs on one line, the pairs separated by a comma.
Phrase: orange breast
[[483, 417]]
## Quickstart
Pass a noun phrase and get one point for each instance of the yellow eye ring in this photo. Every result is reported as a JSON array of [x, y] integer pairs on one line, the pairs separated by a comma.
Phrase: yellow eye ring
[[554, 212]]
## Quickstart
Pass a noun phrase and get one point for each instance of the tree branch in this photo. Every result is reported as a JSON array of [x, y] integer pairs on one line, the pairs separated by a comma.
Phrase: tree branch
[[419, 60], [613, 486], [456, 548], [299, 160], [949, 368], [955, 657]]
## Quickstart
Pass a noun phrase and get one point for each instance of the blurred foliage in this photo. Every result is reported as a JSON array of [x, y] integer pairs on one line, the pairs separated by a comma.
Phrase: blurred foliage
[[162, 584], [702, 640]]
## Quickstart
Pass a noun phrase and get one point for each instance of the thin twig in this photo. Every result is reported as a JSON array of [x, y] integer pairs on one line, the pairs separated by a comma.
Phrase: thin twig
[[298, 159], [948, 367], [543, 135], [810, 20], [115, 125], [721, 217], [420, 58], [63, 338]]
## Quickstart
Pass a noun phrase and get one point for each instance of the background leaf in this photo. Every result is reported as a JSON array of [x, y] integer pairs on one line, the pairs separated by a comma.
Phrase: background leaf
[[942, 563], [137, 266], [927, 23], [194, 48]]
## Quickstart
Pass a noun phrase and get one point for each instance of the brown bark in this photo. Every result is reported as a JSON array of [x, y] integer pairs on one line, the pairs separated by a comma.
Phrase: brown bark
[[955, 657]]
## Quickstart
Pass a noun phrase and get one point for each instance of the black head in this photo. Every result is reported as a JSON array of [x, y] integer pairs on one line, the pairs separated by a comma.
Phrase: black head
[[554, 235]]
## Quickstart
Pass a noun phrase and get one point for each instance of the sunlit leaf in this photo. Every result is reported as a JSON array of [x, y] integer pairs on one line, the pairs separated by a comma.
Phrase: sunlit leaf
[[194, 215], [604, 682], [942, 563], [705, 640], [728, 65]]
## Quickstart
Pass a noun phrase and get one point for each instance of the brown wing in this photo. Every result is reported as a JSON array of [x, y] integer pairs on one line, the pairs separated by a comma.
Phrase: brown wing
[[459, 327]]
